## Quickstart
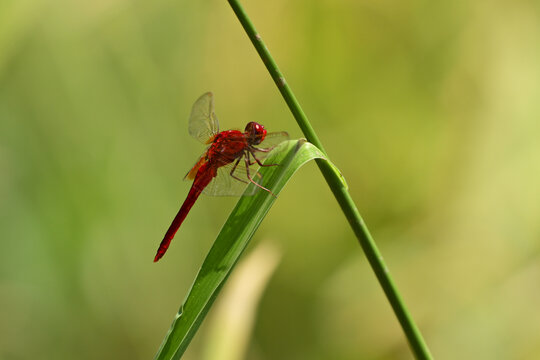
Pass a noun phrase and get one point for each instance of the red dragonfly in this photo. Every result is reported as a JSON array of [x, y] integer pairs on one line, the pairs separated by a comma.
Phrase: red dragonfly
[[219, 171]]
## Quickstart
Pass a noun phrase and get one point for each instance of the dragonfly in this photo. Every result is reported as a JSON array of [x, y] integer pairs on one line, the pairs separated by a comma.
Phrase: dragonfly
[[229, 163]]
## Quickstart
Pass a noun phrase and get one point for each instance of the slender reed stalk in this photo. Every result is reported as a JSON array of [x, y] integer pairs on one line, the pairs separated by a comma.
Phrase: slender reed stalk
[[414, 337]]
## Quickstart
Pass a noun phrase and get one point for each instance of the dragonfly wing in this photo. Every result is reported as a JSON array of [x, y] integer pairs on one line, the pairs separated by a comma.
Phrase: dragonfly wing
[[225, 184], [271, 140], [203, 123], [191, 173]]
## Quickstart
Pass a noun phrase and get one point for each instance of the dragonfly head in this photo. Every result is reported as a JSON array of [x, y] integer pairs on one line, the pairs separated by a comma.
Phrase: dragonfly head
[[255, 133]]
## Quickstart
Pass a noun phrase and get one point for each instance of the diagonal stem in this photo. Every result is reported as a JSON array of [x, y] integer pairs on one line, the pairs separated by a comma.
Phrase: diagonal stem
[[414, 337]]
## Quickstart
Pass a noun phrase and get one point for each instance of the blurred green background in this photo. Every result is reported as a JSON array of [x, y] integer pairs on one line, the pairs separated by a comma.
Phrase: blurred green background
[[430, 109]]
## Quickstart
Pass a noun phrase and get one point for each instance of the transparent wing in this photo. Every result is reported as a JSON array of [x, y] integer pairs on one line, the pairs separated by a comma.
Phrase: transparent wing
[[229, 182], [191, 173], [271, 140], [203, 123], [225, 185]]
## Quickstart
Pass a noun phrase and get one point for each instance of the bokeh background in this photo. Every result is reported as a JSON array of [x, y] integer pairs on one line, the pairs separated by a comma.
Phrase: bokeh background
[[430, 109]]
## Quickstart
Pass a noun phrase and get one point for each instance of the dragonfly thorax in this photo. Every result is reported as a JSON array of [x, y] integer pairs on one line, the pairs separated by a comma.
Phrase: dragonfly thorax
[[226, 147]]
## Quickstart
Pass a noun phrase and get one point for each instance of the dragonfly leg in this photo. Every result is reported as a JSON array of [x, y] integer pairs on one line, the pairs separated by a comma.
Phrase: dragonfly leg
[[250, 162], [251, 180], [234, 168], [259, 161], [257, 174], [263, 150]]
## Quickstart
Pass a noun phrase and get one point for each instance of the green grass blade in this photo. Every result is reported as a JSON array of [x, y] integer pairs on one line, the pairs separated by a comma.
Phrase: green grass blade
[[231, 242], [344, 199]]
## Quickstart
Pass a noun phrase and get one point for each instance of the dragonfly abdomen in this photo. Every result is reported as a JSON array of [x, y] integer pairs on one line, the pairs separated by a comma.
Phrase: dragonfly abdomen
[[205, 174]]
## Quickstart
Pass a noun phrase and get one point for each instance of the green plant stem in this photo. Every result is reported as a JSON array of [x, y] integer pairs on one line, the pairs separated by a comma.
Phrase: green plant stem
[[414, 337]]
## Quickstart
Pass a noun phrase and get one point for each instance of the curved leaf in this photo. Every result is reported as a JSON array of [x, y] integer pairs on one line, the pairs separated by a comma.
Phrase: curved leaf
[[231, 242]]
